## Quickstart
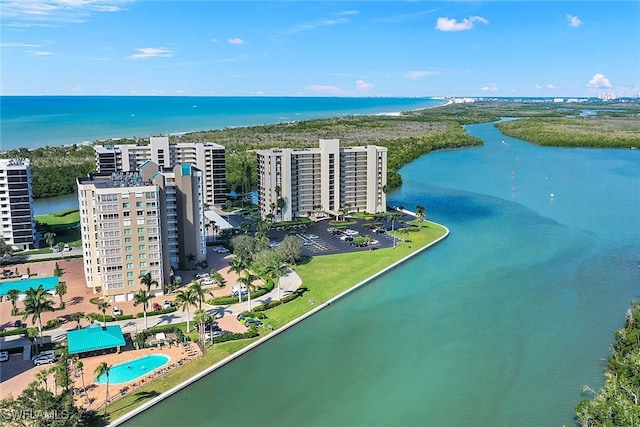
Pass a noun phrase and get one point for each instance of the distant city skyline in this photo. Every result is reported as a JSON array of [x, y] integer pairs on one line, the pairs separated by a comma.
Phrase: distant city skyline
[[320, 48]]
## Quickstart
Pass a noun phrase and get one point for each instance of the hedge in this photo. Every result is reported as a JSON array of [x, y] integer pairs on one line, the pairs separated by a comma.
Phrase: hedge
[[19, 331], [157, 312], [251, 333]]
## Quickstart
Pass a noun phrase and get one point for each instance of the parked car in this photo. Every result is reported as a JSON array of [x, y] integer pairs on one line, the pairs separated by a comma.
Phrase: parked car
[[166, 304], [243, 316], [156, 306], [117, 311], [202, 275], [45, 353], [19, 324], [56, 249], [220, 249], [254, 322], [312, 236], [239, 289], [4, 356], [66, 248], [42, 360], [208, 281]]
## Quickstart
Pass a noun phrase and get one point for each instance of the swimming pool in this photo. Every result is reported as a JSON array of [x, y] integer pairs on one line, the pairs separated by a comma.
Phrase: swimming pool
[[133, 369], [48, 283]]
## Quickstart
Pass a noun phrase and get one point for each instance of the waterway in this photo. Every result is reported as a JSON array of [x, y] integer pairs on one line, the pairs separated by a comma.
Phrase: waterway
[[501, 324]]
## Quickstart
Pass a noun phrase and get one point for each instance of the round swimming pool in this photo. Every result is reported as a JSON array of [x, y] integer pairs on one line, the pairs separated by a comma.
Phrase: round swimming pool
[[133, 369]]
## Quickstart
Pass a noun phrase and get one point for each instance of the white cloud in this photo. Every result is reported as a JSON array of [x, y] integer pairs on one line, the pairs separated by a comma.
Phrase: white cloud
[[490, 88], [451, 24], [235, 40], [362, 86], [326, 90], [312, 25], [599, 81], [58, 10], [574, 21], [538, 87], [417, 75], [551, 86], [39, 52], [152, 52], [214, 40], [18, 44]]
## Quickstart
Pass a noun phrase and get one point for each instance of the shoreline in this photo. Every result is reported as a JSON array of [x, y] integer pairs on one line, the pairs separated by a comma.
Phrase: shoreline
[[128, 416]]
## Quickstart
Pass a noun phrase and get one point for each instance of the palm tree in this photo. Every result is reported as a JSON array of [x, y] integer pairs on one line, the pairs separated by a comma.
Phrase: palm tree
[[142, 297], [77, 317], [37, 302], [102, 306], [43, 375], [32, 334], [61, 290], [420, 213], [148, 281], [13, 295], [103, 369], [200, 292], [275, 270], [186, 298], [79, 366], [215, 275], [201, 318], [93, 317], [247, 280], [49, 238], [191, 258]]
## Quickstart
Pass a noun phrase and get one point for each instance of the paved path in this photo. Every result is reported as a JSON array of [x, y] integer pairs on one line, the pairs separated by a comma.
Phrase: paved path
[[288, 284]]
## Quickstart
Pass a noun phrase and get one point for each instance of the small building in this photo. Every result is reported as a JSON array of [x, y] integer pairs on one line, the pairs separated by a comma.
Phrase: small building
[[95, 338]]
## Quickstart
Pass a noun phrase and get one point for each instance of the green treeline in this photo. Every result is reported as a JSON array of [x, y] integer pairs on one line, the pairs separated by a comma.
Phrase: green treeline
[[603, 131], [617, 402], [407, 136]]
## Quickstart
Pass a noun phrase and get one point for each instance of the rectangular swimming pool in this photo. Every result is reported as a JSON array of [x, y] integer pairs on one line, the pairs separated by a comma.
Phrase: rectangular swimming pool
[[22, 285]]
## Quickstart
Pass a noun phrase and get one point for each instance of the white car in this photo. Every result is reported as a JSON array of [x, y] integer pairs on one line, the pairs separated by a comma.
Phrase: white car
[[221, 249], [166, 304], [42, 360], [202, 275], [117, 311], [208, 281], [4, 356], [45, 353]]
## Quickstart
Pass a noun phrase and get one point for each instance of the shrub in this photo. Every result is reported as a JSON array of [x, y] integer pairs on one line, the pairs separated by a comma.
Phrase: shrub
[[157, 312], [52, 324], [19, 331], [251, 333], [298, 293], [265, 307]]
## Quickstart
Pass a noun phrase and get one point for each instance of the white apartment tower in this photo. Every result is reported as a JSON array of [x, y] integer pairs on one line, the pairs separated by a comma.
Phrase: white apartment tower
[[133, 223], [16, 198], [303, 182], [206, 156]]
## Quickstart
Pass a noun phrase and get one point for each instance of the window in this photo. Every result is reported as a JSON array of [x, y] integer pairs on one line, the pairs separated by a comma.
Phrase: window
[[127, 239], [142, 247], [143, 264], [141, 239], [127, 231], [128, 249], [138, 204], [129, 273], [129, 257], [140, 230], [129, 265], [125, 205]]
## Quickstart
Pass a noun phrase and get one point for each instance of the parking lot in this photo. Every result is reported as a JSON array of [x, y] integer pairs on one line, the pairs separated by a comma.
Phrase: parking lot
[[319, 238]]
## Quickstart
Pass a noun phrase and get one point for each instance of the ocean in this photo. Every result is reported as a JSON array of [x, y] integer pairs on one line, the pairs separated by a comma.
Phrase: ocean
[[501, 324], [38, 121]]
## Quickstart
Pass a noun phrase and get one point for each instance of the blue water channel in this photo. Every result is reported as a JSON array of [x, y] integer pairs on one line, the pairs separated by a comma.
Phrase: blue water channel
[[501, 324]]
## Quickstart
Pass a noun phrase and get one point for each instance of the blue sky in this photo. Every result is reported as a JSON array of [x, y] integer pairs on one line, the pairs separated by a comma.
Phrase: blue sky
[[320, 48]]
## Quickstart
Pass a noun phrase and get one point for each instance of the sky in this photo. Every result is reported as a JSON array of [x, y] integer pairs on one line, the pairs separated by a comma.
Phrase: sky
[[320, 48]]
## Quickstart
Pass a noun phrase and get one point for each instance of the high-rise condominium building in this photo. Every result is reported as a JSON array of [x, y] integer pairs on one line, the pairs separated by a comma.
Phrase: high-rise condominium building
[[331, 179], [206, 156], [16, 198], [134, 223]]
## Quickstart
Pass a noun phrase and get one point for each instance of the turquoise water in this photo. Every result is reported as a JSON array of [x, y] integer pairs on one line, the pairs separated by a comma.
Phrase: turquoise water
[[36, 121], [133, 369], [501, 324], [48, 283]]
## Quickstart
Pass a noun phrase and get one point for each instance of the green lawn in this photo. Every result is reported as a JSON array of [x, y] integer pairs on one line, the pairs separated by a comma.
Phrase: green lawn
[[66, 218], [324, 276]]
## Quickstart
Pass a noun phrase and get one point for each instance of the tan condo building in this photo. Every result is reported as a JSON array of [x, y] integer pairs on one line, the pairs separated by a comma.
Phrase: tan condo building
[[133, 223], [206, 156], [330, 179]]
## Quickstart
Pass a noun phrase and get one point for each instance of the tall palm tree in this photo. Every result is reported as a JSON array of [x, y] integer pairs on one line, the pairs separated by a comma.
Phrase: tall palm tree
[[13, 295], [37, 302], [201, 318], [215, 275], [32, 334], [103, 369], [420, 213], [142, 297], [102, 306], [49, 238], [148, 281], [191, 258], [79, 366], [185, 298], [61, 290], [247, 280], [200, 292], [275, 270], [43, 375]]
